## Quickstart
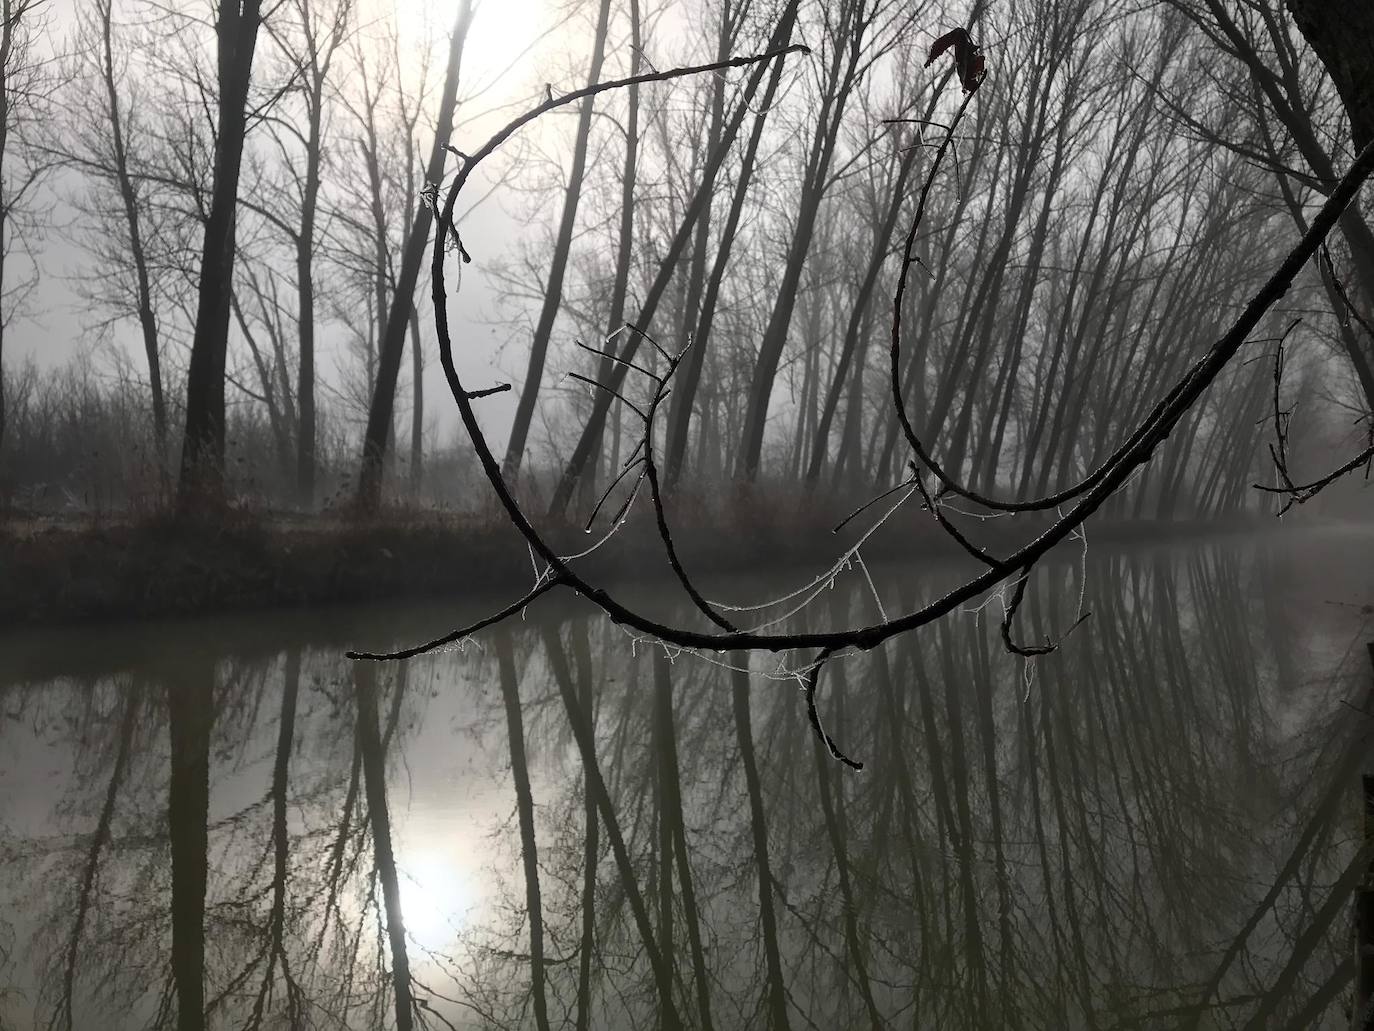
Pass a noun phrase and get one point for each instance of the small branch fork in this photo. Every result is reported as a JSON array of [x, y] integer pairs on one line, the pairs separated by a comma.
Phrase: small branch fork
[[643, 457], [1301, 493], [1030, 651], [1088, 495], [1294, 493]]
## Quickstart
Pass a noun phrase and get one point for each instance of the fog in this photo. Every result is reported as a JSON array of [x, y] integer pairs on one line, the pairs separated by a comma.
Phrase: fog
[[686, 513]]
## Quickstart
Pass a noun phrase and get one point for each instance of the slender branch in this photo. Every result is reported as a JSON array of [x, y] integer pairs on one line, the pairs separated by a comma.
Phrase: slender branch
[[656, 495], [456, 635], [809, 679], [1305, 492], [1330, 268], [908, 482], [610, 390], [613, 357], [634, 461], [1030, 651]]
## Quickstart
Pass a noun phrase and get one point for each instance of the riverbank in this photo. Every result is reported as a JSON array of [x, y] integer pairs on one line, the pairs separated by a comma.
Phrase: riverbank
[[74, 571]]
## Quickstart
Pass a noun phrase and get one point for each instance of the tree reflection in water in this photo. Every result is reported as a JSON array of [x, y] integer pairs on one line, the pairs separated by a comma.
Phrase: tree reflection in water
[[1153, 827]]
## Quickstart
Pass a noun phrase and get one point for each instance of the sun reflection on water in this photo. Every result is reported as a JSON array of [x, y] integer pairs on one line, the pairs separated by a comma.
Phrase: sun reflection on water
[[438, 898]]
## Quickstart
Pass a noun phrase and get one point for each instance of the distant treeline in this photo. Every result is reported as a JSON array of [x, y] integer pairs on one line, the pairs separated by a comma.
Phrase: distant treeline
[[257, 193]]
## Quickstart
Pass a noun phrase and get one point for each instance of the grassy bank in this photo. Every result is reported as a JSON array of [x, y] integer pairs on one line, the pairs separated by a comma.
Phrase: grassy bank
[[69, 571]]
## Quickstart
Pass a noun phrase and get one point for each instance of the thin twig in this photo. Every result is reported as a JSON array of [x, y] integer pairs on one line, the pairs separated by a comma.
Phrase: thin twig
[[612, 356], [456, 635], [1030, 651], [610, 390], [607, 493], [809, 679]]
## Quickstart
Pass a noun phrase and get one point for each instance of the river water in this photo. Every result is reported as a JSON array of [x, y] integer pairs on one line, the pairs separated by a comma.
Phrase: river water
[[1157, 826]]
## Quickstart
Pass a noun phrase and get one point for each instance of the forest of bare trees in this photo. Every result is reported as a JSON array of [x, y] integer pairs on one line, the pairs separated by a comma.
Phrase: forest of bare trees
[[252, 196]]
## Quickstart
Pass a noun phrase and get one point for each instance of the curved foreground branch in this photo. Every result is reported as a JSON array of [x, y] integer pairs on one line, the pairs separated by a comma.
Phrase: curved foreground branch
[[1089, 494]]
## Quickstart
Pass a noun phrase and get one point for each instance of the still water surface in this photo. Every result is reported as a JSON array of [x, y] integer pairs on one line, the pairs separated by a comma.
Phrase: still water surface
[[1155, 827]]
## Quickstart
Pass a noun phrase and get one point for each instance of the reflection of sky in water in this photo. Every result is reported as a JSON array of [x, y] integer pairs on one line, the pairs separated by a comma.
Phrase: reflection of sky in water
[[442, 841], [1149, 787], [439, 893]]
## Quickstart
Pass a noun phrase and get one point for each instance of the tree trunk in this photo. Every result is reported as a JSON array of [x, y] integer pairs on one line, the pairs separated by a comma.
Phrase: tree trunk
[[87, 894], [582, 724], [882, 241], [3, 315], [1342, 34], [417, 407], [843, 75], [553, 291], [375, 437], [591, 849], [775, 990], [7, 43], [679, 411], [625, 240], [305, 307], [280, 434], [147, 322], [674, 840], [201, 482], [596, 423], [689, 375]]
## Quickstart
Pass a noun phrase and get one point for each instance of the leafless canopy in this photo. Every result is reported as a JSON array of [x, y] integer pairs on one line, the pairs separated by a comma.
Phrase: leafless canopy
[[936, 488]]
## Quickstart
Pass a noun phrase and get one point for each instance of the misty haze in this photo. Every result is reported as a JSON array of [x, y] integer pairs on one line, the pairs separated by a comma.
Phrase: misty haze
[[617, 514]]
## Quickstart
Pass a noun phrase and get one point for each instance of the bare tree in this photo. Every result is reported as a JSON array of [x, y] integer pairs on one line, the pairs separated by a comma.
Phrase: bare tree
[[853, 39], [377, 434], [202, 456], [101, 141], [1282, 94], [309, 34], [707, 297], [524, 801], [25, 84], [591, 435], [191, 707], [553, 289]]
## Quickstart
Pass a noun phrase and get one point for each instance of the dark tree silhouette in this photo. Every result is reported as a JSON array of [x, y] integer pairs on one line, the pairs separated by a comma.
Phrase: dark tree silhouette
[[1342, 34], [377, 435], [553, 288], [201, 482]]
